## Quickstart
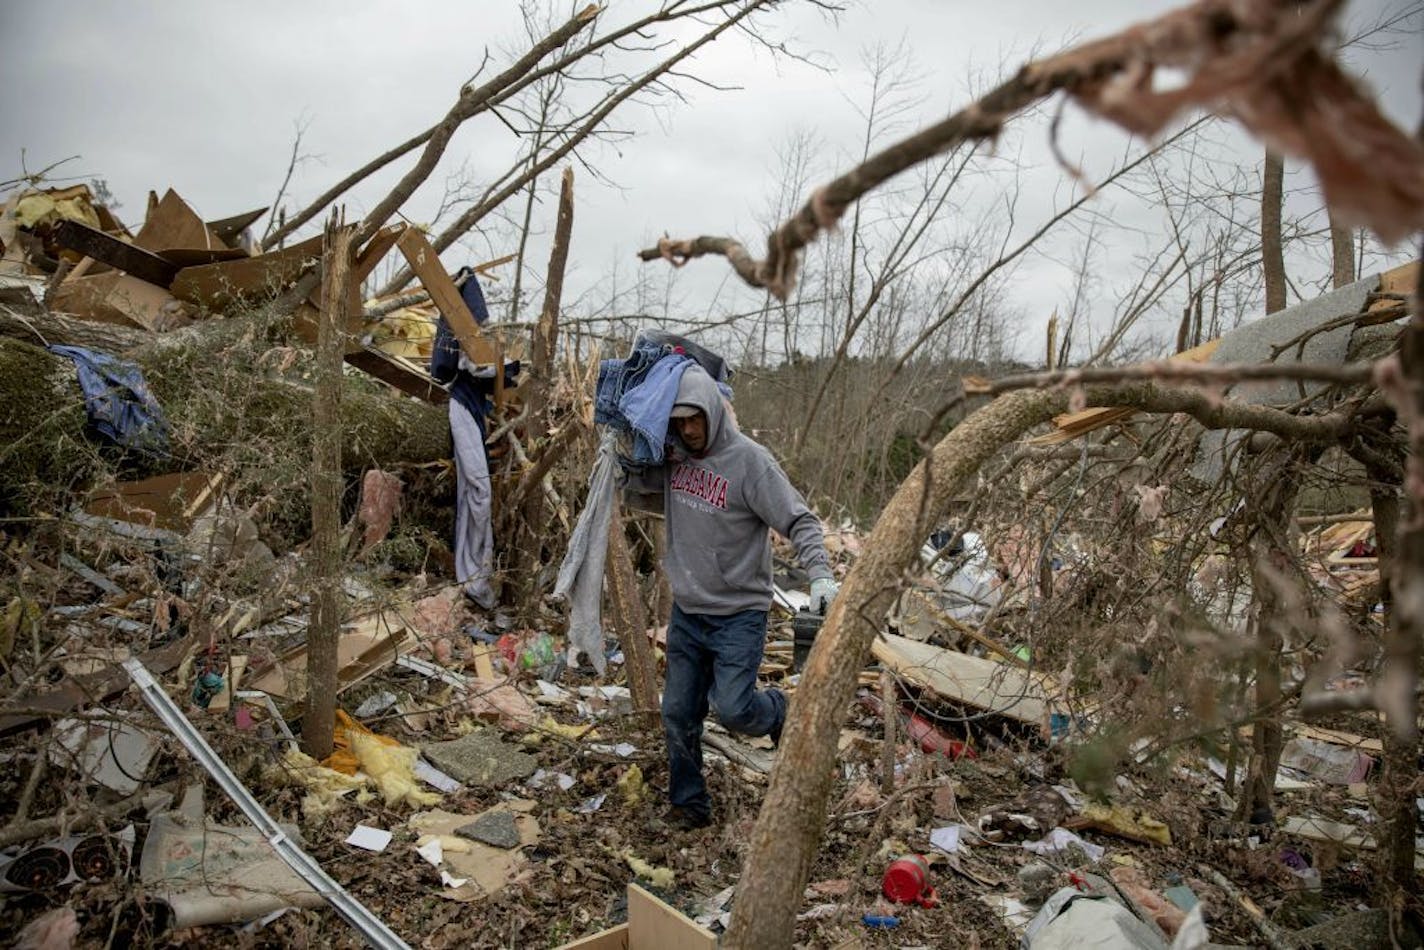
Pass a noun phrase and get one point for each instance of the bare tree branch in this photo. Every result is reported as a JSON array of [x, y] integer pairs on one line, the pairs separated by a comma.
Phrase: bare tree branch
[[1249, 61]]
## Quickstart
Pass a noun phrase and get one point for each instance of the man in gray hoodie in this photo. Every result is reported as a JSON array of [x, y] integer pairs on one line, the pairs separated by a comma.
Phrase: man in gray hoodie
[[720, 493]]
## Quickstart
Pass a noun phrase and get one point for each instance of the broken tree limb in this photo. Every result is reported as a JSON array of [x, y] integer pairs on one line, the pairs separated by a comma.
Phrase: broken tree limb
[[465, 107], [485, 97], [72, 821], [57, 329], [546, 334], [1275, 939], [474, 214], [470, 103], [1256, 62], [1402, 379], [630, 621], [890, 698], [1350, 374]]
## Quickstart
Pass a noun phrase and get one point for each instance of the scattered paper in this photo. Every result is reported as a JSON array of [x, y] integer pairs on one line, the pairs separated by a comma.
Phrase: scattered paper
[[435, 778], [590, 805], [947, 838], [623, 749], [371, 839], [432, 852], [1058, 840], [543, 777], [449, 881], [1016, 914], [710, 911], [378, 703], [550, 691]]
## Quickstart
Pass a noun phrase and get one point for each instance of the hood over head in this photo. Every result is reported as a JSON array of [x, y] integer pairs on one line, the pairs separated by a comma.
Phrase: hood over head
[[697, 389]]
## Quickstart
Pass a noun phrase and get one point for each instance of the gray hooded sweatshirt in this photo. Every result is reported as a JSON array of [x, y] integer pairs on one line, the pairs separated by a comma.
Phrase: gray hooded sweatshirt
[[719, 505]]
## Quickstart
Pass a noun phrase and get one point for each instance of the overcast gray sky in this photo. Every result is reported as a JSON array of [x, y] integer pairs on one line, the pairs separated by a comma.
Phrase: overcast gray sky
[[204, 97]]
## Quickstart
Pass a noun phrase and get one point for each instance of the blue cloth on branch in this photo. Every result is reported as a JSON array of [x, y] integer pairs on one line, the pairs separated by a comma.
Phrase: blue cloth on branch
[[118, 401]]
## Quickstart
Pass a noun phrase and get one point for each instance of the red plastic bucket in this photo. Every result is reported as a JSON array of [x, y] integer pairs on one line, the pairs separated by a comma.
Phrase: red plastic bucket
[[907, 881]]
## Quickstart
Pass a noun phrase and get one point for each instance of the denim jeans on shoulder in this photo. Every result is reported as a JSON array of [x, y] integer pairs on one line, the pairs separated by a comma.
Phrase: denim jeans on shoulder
[[712, 662]]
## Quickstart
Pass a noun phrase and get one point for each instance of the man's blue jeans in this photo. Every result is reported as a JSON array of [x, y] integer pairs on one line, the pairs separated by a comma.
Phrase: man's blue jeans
[[713, 658]]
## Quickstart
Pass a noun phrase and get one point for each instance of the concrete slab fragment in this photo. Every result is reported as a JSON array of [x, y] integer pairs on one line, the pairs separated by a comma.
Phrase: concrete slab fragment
[[481, 758]]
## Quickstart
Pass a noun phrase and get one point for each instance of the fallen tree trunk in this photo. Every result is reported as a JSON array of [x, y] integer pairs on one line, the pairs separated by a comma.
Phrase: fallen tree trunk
[[224, 408]]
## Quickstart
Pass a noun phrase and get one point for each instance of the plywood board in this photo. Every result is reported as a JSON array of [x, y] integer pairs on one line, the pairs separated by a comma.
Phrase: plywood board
[[115, 298], [615, 938], [971, 680], [230, 229], [169, 501], [366, 647], [171, 223], [217, 286], [653, 925]]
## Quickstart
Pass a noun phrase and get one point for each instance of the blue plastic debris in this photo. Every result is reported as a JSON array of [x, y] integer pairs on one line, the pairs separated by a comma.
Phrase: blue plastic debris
[[880, 921]]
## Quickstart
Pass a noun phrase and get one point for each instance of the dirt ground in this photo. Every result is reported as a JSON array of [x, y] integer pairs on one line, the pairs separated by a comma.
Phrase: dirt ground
[[573, 882]]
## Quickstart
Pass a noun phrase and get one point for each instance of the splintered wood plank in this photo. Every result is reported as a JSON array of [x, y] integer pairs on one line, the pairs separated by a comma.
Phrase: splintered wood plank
[[654, 925], [397, 373], [375, 249], [425, 262], [484, 664], [1400, 280], [971, 680], [1071, 425], [232, 678]]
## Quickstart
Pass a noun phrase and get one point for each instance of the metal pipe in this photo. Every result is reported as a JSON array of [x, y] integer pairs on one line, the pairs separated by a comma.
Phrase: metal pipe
[[370, 926]]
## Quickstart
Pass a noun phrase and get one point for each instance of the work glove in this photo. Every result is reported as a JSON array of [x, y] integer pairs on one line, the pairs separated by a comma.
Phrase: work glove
[[823, 591]]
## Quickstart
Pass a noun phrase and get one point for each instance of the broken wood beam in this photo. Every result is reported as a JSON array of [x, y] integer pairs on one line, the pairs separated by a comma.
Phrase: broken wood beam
[[107, 249], [93, 688], [425, 261], [397, 374]]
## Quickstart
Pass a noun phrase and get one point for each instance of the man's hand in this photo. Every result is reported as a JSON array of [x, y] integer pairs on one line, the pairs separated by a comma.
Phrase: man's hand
[[823, 591]]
